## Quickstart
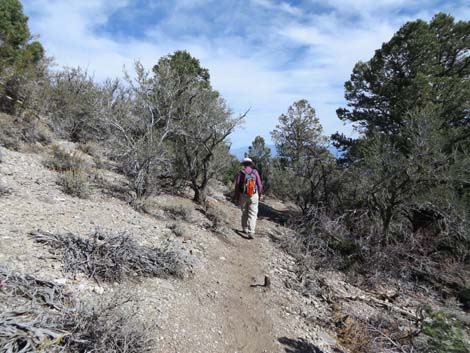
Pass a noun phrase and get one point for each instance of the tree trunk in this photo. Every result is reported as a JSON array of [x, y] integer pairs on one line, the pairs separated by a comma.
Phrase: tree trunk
[[386, 225], [141, 181], [200, 195]]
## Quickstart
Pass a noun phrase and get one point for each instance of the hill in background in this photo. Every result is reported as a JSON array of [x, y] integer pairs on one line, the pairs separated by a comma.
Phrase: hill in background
[[240, 151]]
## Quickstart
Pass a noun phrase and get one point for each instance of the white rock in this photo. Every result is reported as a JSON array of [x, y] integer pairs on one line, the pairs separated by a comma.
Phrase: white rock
[[61, 281], [98, 290]]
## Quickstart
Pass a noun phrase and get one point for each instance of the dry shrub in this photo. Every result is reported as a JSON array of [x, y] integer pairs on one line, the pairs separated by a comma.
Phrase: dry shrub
[[353, 334], [96, 152], [74, 182], [353, 244], [110, 326], [180, 230], [15, 131], [10, 136], [377, 334], [63, 160], [111, 257], [177, 208], [30, 331], [324, 241], [54, 321], [73, 176], [219, 218], [36, 290]]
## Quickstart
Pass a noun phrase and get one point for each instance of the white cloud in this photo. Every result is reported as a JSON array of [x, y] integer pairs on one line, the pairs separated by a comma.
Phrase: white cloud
[[282, 6], [265, 54]]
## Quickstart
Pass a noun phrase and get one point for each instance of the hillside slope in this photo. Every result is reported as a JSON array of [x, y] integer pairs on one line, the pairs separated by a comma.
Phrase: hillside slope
[[214, 310], [221, 304]]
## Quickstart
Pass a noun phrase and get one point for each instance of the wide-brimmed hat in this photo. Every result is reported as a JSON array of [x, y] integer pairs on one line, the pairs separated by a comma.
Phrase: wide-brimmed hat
[[246, 160]]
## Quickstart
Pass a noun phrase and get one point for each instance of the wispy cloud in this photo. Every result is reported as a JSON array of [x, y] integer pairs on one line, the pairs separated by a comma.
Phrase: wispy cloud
[[282, 6], [263, 54]]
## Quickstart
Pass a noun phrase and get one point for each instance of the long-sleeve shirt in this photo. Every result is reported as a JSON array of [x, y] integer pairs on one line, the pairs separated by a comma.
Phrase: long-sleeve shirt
[[240, 178]]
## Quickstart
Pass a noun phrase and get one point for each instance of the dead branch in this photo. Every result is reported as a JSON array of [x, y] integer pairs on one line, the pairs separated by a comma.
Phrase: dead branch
[[111, 257], [37, 290]]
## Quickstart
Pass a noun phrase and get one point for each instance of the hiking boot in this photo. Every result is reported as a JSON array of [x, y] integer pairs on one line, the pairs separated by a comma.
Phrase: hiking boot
[[250, 235]]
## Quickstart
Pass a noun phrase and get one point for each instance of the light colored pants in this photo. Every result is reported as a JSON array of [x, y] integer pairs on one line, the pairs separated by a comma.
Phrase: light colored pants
[[249, 206]]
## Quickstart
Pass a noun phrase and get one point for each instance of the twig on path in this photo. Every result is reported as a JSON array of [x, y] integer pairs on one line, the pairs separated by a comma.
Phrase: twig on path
[[266, 284]]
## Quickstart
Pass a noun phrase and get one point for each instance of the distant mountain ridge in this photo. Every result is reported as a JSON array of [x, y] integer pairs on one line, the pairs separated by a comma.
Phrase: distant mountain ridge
[[240, 151]]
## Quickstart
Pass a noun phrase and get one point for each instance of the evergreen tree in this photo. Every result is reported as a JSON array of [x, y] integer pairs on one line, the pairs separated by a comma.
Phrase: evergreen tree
[[18, 54], [424, 63], [299, 132], [261, 156]]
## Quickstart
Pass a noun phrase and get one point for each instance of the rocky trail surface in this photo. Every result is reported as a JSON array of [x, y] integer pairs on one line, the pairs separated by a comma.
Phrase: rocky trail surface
[[229, 307]]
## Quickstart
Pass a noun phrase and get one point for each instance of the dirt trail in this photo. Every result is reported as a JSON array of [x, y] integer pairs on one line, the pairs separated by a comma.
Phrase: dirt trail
[[222, 300], [220, 311]]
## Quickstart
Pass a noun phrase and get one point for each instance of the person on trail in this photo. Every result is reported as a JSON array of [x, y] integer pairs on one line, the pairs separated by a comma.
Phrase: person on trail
[[248, 192]]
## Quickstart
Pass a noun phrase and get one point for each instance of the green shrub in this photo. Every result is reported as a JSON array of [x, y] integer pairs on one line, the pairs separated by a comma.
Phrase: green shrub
[[445, 334]]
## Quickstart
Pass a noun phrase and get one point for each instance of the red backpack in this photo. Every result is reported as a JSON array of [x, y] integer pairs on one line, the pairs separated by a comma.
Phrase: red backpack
[[249, 187]]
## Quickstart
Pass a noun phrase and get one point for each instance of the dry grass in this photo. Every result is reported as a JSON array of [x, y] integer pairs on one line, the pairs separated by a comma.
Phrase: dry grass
[[111, 257], [377, 334]]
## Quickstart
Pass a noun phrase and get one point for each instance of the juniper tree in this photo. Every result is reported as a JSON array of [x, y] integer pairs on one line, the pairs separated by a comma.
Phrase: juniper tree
[[18, 54]]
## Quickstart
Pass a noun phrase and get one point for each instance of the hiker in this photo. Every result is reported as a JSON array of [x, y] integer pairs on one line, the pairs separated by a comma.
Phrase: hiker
[[248, 191]]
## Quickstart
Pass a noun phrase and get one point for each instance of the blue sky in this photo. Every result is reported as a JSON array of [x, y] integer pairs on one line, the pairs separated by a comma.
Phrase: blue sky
[[262, 54]]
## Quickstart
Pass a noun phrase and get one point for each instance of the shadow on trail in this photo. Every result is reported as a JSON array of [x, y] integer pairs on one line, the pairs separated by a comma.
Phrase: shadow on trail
[[265, 211], [298, 345]]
